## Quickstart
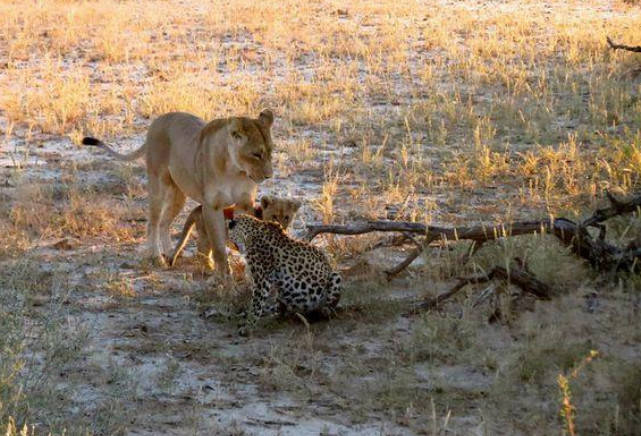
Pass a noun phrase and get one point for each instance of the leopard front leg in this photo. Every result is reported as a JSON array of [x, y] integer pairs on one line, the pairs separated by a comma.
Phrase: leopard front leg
[[262, 304]]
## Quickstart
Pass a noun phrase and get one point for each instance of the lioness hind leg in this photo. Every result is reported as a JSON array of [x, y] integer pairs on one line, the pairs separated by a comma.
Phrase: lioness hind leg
[[214, 221], [174, 202], [194, 215], [155, 210]]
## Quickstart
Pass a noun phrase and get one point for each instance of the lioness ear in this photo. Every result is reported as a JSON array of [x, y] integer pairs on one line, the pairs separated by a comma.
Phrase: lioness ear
[[265, 200], [235, 128], [266, 118]]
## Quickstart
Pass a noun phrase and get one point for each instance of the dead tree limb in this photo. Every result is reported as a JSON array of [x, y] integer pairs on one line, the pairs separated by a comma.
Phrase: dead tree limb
[[420, 247], [364, 227], [405, 263], [419, 250], [613, 46], [435, 302], [412, 239], [479, 233], [524, 280], [617, 207], [517, 276], [601, 255]]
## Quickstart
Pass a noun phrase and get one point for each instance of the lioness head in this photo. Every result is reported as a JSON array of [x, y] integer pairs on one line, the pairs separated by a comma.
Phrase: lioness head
[[250, 145], [280, 210]]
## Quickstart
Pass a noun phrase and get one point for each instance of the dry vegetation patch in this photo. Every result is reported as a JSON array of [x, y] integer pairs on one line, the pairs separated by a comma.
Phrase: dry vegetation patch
[[440, 112]]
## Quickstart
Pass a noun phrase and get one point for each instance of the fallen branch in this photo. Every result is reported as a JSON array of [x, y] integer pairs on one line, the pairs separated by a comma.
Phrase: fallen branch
[[268, 422], [435, 302], [517, 276], [613, 46], [617, 207], [404, 264], [363, 227], [475, 233], [601, 255]]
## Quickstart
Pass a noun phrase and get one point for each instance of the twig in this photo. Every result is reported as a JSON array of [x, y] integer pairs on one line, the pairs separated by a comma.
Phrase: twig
[[435, 302], [517, 276], [484, 296], [404, 264], [261, 421], [420, 247], [411, 238], [636, 49]]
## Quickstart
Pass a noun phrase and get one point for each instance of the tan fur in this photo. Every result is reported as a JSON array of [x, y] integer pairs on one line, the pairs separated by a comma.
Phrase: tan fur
[[280, 210], [217, 164], [276, 209]]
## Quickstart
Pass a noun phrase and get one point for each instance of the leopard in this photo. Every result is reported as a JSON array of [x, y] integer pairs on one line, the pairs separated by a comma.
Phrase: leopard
[[288, 276], [271, 208]]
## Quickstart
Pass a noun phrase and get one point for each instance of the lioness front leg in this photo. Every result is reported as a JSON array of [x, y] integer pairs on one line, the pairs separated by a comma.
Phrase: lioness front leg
[[214, 221], [204, 245], [246, 204]]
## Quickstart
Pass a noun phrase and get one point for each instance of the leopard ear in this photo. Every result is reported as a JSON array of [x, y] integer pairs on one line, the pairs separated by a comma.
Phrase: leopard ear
[[265, 200], [266, 118]]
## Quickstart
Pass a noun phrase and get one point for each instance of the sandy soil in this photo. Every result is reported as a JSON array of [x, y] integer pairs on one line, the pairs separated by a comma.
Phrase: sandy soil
[[171, 370]]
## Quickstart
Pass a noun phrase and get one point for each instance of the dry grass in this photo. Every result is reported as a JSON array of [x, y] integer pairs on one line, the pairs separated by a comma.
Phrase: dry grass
[[36, 345], [447, 112], [45, 213], [532, 101]]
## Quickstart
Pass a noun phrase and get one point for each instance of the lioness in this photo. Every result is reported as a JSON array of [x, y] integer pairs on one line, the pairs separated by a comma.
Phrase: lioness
[[276, 209], [217, 164]]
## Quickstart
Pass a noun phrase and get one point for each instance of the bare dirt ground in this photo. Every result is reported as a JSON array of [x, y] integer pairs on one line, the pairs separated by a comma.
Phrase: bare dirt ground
[[443, 112], [149, 364]]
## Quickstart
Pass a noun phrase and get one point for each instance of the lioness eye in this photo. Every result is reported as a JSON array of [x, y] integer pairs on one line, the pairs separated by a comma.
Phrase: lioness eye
[[258, 155], [236, 135], [286, 217]]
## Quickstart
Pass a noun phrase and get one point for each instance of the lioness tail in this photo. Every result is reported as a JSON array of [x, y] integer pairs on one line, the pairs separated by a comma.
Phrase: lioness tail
[[88, 140]]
